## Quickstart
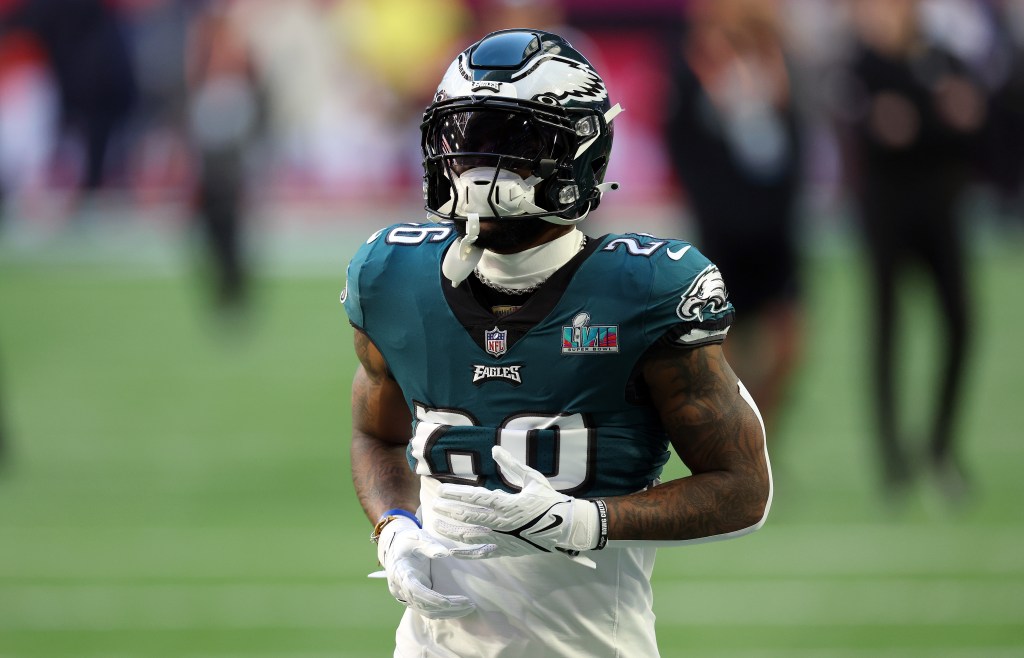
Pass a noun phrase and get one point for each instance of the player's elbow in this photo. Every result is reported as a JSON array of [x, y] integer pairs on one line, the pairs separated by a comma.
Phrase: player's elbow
[[760, 501], [752, 496], [749, 516]]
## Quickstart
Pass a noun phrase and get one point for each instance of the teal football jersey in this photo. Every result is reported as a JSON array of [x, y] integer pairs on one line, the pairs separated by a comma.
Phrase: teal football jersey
[[555, 382]]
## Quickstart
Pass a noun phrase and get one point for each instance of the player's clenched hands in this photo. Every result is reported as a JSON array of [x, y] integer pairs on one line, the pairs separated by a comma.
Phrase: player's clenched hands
[[405, 552], [538, 519]]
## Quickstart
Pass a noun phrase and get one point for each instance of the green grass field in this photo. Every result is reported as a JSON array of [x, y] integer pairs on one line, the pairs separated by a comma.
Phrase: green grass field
[[178, 486]]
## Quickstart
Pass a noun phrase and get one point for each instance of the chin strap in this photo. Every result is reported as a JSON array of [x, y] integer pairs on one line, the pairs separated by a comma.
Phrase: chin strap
[[462, 257], [488, 191]]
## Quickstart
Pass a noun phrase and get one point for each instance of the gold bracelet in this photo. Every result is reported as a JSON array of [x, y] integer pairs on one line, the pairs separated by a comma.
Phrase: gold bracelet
[[377, 529], [390, 516]]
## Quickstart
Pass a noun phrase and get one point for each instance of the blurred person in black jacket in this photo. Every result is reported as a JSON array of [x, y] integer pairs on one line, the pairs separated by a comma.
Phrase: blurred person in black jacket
[[1003, 157], [917, 117], [93, 69], [732, 135], [226, 110]]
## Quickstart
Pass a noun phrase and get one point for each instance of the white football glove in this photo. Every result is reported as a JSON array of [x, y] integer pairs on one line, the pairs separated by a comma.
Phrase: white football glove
[[405, 552], [538, 519]]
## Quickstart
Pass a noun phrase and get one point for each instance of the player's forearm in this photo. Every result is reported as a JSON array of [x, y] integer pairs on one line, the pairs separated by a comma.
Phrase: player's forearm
[[729, 492], [380, 427], [381, 475], [715, 427], [696, 507]]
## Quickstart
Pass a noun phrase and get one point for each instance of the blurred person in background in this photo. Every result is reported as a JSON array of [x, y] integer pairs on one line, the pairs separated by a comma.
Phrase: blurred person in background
[[161, 166], [917, 114], [733, 139], [1004, 136], [422, 37], [506, 443], [28, 121], [88, 55], [226, 114]]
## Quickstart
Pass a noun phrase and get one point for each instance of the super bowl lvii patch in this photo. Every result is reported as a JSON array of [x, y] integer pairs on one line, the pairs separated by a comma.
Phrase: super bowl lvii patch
[[584, 338]]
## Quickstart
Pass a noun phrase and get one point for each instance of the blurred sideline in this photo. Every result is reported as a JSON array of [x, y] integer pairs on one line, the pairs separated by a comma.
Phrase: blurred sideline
[[317, 238]]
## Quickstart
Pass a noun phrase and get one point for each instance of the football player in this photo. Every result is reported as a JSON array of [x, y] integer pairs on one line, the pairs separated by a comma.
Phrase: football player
[[522, 384]]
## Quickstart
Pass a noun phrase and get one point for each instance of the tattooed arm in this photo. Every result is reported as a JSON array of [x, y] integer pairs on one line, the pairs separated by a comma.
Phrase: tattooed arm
[[380, 433], [719, 437]]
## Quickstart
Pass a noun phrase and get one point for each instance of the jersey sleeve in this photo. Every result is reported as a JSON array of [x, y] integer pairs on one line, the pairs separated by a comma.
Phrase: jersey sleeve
[[689, 305], [379, 265], [351, 295]]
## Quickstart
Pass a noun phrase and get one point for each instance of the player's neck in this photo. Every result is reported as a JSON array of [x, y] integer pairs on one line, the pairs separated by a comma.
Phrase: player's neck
[[530, 268]]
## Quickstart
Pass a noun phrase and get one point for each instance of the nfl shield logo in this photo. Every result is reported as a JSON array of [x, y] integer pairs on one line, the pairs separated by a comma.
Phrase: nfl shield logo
[[496, 341]]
